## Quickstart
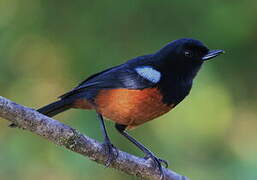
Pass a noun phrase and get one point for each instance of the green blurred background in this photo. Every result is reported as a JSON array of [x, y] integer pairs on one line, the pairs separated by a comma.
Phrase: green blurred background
[[48, 46]]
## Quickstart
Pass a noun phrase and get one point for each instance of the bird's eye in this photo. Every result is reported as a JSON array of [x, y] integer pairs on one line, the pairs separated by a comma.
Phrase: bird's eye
[[188, 54]]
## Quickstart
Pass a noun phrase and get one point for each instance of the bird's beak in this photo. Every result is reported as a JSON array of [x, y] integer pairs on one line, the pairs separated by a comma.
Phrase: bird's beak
[[212, 54]]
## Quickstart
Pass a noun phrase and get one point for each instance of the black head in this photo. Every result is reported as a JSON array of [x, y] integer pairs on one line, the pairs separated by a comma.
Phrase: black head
[[184, 57], [179, 62], [188, 51]]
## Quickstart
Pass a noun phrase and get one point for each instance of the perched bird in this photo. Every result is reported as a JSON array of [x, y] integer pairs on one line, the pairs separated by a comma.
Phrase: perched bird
[[139, 90]]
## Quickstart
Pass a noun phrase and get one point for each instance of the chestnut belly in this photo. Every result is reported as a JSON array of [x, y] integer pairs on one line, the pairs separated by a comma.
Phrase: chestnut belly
[[131, 107]]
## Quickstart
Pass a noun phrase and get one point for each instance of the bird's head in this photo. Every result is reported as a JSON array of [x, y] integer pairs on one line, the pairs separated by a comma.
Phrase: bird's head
[[188, 50], [185, 55]]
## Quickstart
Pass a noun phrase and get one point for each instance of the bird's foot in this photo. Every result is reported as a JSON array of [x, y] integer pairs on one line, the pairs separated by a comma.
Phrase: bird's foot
[[12, 125], [157, 162], [111, 152]]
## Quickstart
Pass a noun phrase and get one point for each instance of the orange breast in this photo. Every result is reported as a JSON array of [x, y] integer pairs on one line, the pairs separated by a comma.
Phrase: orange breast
[[131, 107]]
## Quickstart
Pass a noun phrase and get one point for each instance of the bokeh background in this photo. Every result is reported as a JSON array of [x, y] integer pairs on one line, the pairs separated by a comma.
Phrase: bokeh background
[[49, 46]]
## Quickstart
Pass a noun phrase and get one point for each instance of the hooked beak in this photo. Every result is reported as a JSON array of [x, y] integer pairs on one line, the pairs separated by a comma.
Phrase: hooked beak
[[212, 54]]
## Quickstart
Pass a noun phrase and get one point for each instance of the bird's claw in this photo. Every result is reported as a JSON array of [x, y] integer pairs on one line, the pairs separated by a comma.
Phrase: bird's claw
[[157, 163], [12, 125], [166, 164], [111, 152]]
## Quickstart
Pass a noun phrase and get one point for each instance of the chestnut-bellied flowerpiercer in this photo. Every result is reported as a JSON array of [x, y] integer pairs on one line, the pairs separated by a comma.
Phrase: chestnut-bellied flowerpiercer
[[138, 91]]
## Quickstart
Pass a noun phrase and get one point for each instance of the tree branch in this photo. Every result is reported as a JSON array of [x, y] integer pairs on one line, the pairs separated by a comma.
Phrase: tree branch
[[63, 135]]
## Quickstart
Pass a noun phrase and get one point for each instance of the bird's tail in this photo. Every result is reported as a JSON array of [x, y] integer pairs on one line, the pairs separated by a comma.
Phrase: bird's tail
[[56, 107]]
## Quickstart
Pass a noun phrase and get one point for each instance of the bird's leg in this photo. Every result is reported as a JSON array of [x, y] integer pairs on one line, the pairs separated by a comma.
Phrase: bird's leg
[[13, 125], [110, 150], [157, 161]]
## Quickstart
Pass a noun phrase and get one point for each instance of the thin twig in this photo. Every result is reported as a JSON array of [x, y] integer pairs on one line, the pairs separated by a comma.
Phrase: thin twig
[[63, 135]]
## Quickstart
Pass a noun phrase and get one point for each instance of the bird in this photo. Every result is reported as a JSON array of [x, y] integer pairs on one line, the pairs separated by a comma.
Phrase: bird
[[138, 91]]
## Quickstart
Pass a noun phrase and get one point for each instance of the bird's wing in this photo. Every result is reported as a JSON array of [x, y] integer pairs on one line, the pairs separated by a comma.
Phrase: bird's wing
[[122, 76]]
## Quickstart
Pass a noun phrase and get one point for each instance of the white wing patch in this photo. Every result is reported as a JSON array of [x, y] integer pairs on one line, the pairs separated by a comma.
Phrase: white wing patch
[[149, 73]]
